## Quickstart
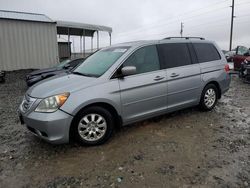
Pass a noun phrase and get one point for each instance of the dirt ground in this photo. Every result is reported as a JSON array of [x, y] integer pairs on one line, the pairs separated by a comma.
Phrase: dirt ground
[[188, 148]]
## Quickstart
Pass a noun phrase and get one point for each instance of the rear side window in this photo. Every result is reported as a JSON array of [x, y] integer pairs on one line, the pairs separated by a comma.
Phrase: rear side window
[[206, 52], [174, 55]]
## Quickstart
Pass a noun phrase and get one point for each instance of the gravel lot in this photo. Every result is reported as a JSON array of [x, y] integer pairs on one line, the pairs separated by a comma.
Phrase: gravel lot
[[188, 148]]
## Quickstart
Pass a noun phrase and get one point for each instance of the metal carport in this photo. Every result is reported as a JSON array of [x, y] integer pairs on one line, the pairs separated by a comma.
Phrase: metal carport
[[83, 30]]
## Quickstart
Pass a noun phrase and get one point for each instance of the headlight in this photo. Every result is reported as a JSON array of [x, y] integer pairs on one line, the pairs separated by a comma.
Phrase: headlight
[[51, 104]]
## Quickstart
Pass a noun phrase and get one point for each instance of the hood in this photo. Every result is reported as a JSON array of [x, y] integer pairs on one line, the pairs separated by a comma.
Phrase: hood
[[42, 71], [60, 84]]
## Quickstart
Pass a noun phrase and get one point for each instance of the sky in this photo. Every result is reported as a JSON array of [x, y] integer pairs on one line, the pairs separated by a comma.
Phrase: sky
[[147, 19]]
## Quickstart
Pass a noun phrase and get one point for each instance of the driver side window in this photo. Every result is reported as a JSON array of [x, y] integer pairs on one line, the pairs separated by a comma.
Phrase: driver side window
[[145, 60]]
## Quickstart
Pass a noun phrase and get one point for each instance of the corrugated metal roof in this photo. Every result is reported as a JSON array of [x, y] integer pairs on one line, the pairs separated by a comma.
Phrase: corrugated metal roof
[[76, 25], [14, 15]]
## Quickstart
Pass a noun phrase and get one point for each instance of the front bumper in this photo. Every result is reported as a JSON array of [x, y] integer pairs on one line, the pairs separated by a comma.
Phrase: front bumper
[[51, 127]]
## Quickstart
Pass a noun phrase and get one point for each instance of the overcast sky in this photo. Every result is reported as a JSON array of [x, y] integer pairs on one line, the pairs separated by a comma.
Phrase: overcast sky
[[148, 19]]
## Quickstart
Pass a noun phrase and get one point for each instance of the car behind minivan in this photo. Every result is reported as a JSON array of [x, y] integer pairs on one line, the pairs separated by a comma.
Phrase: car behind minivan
[[123, 84]]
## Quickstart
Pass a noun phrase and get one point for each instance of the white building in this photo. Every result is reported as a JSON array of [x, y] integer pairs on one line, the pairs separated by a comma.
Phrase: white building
[[29, 40]]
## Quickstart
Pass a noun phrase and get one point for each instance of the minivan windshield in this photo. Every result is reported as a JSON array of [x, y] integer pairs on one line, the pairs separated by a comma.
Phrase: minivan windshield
[[98, 63]]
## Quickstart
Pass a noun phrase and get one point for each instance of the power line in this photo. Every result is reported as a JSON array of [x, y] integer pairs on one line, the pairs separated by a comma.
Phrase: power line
[[199, 9], [186, 18], [239, 4], [134, 32], [244, 15], [221, 20], [207, 23], [188, 12], [176, 30], [172, 21]]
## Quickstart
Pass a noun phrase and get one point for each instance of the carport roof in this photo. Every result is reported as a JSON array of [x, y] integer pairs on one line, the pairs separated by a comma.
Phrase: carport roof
[[74, 28], [25, 16]]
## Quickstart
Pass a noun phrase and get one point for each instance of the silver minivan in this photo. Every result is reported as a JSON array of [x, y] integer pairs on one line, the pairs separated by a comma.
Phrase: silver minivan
[[123, 84]]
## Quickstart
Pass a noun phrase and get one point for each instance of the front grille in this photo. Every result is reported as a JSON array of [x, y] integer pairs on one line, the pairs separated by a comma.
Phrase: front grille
[[27, 103]]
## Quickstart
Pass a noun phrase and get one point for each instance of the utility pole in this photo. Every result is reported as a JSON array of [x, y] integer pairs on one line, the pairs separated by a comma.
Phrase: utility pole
[[182, 26], [232, 25]]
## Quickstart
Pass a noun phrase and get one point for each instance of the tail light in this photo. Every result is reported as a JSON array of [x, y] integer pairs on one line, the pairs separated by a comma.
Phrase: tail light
[[227, 69]]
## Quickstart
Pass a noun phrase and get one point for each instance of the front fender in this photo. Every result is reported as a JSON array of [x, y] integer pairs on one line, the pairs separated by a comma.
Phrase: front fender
[[108, 93], [95, 101]]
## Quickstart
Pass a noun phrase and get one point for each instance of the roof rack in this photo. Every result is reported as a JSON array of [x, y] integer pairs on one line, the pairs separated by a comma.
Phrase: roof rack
[[185, 38]]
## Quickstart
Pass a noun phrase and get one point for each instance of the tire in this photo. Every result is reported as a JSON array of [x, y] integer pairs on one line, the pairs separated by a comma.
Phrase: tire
[[209, 97], [93, 126]]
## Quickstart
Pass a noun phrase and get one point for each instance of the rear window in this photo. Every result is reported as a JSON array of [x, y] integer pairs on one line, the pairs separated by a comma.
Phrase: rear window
[[206, 52], [174, 54]]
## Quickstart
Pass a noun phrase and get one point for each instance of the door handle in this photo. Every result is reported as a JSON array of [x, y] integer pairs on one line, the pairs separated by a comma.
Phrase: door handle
[[157, 78], [173, 75]]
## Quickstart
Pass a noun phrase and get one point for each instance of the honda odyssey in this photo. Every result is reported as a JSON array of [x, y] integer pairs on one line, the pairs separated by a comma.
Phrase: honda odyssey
[[123, 84]]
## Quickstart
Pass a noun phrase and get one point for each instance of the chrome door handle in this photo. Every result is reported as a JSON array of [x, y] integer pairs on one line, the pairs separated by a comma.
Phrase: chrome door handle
[[173, 75], [157, 78]]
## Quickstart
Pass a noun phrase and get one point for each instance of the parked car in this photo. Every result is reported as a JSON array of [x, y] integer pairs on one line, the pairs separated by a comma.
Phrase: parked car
[[38, 75], [2, 76], [241, 54], [123, 84], [229, 55], [244, 71]]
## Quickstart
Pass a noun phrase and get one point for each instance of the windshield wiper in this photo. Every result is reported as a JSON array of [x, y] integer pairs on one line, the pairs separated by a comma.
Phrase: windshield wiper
[[83, 74]]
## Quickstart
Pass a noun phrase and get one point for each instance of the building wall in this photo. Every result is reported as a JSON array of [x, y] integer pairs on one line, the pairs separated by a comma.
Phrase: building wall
[[27, 45], [64, 50]]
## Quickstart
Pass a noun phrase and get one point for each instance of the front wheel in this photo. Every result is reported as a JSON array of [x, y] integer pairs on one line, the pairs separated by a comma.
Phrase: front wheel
[[209, 97], [93, 126]]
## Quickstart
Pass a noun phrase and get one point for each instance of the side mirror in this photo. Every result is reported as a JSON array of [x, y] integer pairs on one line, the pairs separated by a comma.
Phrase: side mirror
[[128, 70]]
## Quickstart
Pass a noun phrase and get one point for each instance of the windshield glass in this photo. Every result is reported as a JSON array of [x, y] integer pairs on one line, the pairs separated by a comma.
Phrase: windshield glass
[[242, 50], [98, 63], [63, 63]]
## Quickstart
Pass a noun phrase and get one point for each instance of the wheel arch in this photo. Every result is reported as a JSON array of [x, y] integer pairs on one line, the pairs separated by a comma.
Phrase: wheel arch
[[107, 106], [217, 86]]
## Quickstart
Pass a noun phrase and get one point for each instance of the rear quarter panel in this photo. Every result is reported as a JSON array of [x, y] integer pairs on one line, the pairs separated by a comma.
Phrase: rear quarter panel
[[215, 71]]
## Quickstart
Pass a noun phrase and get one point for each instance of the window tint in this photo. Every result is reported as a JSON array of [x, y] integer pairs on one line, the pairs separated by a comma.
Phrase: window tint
[[174, 55], [206, 52], [145, 60]]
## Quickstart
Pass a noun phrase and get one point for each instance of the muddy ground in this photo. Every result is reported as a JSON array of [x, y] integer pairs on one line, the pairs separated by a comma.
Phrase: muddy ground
[[188, 148]]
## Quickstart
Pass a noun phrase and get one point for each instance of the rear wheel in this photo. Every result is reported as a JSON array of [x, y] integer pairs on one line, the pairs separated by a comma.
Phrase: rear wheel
[[209, 97], [93, 126]]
